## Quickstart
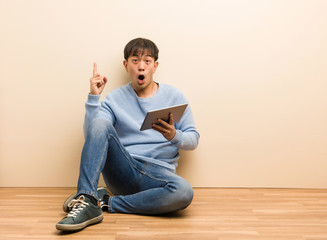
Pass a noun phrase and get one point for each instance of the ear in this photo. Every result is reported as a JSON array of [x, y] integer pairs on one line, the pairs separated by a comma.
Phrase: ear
[[156, 64], [125, 65]]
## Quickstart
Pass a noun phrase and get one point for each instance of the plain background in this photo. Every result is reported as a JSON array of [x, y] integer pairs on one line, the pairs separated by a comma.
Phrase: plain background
[[254, 73]]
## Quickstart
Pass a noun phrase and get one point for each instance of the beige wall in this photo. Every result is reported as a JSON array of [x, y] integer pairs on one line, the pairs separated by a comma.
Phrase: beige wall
[[254, 72]]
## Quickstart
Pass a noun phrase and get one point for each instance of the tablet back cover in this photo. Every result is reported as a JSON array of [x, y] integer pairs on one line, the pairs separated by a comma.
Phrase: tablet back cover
[[163, 113]]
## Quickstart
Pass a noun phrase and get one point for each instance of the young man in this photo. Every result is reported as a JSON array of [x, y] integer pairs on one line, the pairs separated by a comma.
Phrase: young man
[[139, 167]]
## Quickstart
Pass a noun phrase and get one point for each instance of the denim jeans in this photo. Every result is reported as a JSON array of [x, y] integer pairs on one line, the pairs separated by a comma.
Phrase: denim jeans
[[139, 187]]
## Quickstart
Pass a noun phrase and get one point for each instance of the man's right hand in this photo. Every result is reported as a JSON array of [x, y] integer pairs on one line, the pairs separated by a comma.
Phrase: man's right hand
[[97, 82]]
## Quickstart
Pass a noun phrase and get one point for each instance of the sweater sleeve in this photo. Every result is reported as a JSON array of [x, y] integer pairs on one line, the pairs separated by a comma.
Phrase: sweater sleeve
[[95, 109], [186, 137], [186, 140]]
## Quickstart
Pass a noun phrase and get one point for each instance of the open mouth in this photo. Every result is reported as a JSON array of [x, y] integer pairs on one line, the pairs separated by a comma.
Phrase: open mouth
[[141, 77]]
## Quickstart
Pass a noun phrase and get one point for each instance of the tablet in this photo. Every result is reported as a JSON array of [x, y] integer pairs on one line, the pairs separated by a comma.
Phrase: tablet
[[163, 113]]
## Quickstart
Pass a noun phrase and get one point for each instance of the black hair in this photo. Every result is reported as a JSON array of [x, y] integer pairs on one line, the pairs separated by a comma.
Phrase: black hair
[[141, 44]]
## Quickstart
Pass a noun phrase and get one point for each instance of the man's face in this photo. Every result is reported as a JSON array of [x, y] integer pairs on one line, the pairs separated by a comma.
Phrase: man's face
[[141, 67]]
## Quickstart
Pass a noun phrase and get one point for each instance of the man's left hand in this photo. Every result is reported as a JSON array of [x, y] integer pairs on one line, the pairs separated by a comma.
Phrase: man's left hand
[[166, 129]]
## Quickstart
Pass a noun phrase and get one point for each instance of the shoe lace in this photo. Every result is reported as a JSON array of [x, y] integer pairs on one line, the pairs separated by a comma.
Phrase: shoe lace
[[77, 206]]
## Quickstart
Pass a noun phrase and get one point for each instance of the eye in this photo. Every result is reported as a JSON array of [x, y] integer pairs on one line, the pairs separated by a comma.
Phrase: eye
[[134, 60], [148, 61]]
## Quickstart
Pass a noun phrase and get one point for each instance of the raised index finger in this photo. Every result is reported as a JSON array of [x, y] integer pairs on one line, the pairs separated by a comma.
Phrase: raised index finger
[[95, 69]]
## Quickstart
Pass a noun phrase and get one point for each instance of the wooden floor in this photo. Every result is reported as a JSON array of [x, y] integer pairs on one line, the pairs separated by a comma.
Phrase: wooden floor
[[215, 213]]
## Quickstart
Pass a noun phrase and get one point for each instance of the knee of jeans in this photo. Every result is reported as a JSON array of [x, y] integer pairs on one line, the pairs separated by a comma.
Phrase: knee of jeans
[[184, 193], [99, 127]]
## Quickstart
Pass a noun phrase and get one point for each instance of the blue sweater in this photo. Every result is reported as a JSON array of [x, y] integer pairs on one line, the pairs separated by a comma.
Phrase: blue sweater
[[126, 111]]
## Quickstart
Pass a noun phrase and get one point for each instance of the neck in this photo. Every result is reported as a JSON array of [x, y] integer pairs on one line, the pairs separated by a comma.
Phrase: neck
[[147, 92]]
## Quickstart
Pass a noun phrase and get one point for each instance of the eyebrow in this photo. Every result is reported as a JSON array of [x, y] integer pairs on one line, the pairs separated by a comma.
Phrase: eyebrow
[[138, 53], [138, 56]]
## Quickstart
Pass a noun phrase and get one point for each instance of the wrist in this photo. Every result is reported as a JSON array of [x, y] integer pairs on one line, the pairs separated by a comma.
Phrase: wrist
[[94, 92], [172, 136]]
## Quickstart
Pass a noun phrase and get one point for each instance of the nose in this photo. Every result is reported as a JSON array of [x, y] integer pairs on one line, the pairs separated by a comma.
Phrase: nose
[[141, 66]]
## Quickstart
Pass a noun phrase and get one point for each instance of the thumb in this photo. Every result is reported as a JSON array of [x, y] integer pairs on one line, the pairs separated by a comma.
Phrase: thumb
[[171, 119]]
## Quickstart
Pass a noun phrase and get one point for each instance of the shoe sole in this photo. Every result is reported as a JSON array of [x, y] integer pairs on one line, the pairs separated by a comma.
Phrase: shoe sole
[[77, 227]]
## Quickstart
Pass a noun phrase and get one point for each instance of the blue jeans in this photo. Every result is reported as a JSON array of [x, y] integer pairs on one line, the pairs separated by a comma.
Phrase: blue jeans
[[138, 187]]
